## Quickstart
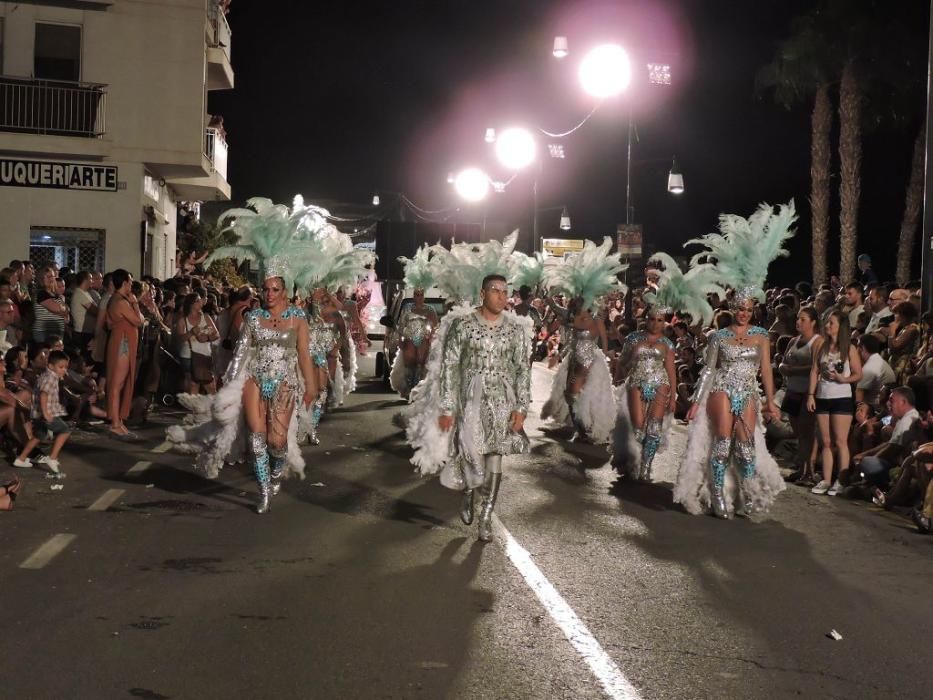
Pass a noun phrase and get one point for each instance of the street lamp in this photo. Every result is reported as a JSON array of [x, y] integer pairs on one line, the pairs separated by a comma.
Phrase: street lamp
[[565, 220], [490, 135], [606, 71], [561, 49], [472, 184], [675, 180], [376, 200], [516, 148]]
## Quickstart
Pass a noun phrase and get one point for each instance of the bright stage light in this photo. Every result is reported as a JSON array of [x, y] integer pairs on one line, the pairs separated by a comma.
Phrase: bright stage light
[[565, 220], [516, 148], [490, 135], [606, 71], [472, 184]]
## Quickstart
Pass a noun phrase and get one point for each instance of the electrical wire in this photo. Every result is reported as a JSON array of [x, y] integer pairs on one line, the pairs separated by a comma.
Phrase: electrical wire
[[562, 134]]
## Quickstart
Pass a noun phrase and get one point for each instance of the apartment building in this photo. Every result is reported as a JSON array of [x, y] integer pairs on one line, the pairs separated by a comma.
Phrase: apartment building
[[104, 128]]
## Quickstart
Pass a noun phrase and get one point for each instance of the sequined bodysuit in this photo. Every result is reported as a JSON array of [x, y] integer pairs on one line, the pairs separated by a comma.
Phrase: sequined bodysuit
[[647, 361], [582, 348], [268, 355], [731, 368], [415, 327], [485, 376], [323, 338]]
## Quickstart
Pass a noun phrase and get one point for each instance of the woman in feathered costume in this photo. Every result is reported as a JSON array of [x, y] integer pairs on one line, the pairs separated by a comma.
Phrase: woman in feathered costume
[[469, 410], [270, 381], [582, 389], [527, 279], [337, 264], [648, 363], [416, 325], [726, 424]]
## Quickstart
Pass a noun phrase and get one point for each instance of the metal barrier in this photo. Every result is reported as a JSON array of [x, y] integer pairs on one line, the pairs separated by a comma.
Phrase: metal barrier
[[53, 107]]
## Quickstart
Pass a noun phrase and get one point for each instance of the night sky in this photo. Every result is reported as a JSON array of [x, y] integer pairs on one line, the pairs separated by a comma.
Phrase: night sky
[[337, 101]]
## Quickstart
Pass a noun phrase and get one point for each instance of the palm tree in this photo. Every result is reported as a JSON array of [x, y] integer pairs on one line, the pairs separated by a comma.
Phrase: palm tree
[[912, 209], [850, 164], [804, 66]]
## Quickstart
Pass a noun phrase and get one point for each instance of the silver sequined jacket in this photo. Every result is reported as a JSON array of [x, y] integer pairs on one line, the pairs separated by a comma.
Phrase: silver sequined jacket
[[485, 374]]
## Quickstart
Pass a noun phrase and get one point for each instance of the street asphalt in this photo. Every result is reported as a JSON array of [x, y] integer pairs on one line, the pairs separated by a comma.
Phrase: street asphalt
[[140, 579]]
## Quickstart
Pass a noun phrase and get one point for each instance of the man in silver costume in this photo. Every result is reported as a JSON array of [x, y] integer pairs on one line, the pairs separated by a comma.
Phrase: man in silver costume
[[485, 391]]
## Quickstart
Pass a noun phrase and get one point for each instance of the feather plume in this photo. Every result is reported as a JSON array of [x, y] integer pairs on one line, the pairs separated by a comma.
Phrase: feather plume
[[744, 248], [459, 271], [527, 270], [685, 293], [419, 272], [590, 274]]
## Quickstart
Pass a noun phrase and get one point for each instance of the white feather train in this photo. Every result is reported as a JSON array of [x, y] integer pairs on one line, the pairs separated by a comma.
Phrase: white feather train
[[692, 487], [594, 407]]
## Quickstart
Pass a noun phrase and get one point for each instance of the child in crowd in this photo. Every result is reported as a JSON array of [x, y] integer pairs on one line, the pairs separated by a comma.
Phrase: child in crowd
[[47, 412]]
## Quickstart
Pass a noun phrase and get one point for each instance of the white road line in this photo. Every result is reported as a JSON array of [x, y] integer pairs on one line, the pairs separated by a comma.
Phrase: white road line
[[138, 468], [614, 682], [163, 448], [108, 498], [48, 551]]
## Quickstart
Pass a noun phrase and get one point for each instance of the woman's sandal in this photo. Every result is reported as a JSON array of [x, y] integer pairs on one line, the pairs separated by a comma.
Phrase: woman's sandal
[[878, 498]]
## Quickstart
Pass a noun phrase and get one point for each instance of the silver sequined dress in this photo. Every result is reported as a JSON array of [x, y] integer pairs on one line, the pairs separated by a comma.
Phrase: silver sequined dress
[[731, 368], [485, 376], [268, 355], [648, 371]]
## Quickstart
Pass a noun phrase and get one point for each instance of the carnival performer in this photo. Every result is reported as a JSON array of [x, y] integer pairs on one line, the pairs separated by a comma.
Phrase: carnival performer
[[324, 335], [416, 326], [528, 278], [726, 423], [470, 409], [582, 389], [270, 381], [648, 363]]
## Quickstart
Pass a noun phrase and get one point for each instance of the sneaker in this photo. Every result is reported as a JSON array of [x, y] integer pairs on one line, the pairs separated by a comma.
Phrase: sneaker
[[821, 488], [41, 459], [53, 465], [835, 489], [22, 463]]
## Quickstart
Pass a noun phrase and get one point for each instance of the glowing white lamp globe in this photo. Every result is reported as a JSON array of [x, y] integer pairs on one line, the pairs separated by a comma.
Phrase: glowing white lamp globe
[[606, 71], [472, 184], [561, 48], [516, 148]]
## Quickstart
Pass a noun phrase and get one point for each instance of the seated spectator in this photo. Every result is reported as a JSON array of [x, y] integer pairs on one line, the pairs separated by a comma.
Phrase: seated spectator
[[47, 413], [875, 463], [9, 334], [785, 322], [909, 482], [876, 372], [877, 306], [81, 392], [903, 339]]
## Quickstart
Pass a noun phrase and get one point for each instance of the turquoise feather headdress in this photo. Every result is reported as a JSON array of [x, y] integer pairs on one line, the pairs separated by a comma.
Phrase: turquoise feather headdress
[[590, 274], [267, 235], [459, 272], [419, 271], [744, 248], [684, 293], [527, 270]]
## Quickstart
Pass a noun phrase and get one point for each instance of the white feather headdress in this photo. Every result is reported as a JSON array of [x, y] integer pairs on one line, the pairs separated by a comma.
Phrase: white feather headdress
[[744, 248], [419, 271], [527, 270]]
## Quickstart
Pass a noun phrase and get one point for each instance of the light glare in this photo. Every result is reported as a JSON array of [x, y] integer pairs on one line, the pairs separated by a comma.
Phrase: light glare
[[515, 148], [561, 48], [606, 71], [472, 184]]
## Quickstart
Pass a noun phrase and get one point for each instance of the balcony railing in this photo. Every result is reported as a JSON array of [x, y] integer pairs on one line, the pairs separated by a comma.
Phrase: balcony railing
[[222, 33], [215, 148], [53, 107]]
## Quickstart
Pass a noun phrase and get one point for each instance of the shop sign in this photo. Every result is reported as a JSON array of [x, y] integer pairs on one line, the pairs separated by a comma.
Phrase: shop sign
[[15, 172]]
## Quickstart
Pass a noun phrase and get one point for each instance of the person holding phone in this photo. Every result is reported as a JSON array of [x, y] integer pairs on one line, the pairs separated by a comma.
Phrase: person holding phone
[[836, 368]]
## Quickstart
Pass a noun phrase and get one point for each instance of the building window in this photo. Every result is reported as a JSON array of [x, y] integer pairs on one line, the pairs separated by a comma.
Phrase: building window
[[57, 52], [75, 248]]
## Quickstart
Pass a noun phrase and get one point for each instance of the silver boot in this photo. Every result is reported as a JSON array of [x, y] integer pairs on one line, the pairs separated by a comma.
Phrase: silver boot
[[490, 493], [719, 460], [649, 448], [278, 467], [466, 507]]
